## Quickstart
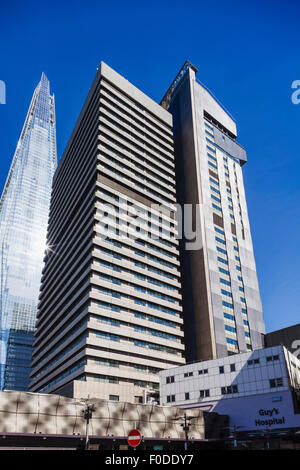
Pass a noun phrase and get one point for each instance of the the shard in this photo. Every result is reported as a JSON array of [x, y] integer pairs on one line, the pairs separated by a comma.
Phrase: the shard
[[24, 208]]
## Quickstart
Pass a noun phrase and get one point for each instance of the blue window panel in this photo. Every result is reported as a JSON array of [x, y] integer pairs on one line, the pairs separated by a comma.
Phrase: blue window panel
[[228, 316], [230, 328], [212, 157], [220, 231], [220, 240], [224, 281], [215, 190], [225, 292], [231, 341], [227, 304], [213, 180], [212, 165], [224, 271], [215, 198]]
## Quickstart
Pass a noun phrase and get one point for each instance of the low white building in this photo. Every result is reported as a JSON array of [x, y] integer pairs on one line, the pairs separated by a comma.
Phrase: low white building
[[259, 390]]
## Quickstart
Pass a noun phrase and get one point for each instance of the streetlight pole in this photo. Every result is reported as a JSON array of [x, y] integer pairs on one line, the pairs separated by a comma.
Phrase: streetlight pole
[[87, 414], [186, 427], [267, 431], [234, 429]]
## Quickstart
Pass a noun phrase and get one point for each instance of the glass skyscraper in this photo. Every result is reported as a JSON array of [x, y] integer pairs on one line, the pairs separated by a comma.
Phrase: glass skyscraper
[[24, 208]]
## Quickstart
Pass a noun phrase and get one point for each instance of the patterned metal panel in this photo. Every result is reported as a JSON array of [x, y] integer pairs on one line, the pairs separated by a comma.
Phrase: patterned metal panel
[[22, 412]]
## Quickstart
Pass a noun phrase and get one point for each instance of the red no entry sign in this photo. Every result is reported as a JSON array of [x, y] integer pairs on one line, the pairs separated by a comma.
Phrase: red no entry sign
[[134, 438]]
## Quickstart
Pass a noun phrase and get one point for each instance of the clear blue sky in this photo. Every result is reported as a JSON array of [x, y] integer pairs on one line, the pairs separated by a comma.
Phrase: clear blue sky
[[247, 53]]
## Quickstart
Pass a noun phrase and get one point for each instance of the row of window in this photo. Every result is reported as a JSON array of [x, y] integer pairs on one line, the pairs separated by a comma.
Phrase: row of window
[[160, 175], [142, 277], [136, 263], [117, 380], [135, 300], [137, 252], [141, 344], [228, 390], [141, 329], [256, 361], [116, 364], [144, 290]]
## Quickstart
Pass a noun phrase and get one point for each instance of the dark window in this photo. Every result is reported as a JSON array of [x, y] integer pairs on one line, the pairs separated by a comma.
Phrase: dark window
[[221, 369], [232, 367], [113, 397], [170, 379], [223, 390], [218, 220], [188, 374], [170, 398], [213, 174], [272, 383], [234, 389], [187, 396], [276, 382]]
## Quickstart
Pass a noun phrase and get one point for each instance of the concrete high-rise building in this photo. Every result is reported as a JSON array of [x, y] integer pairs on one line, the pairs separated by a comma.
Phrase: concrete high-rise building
[[110, 314], [221, 299], [24, 210]]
